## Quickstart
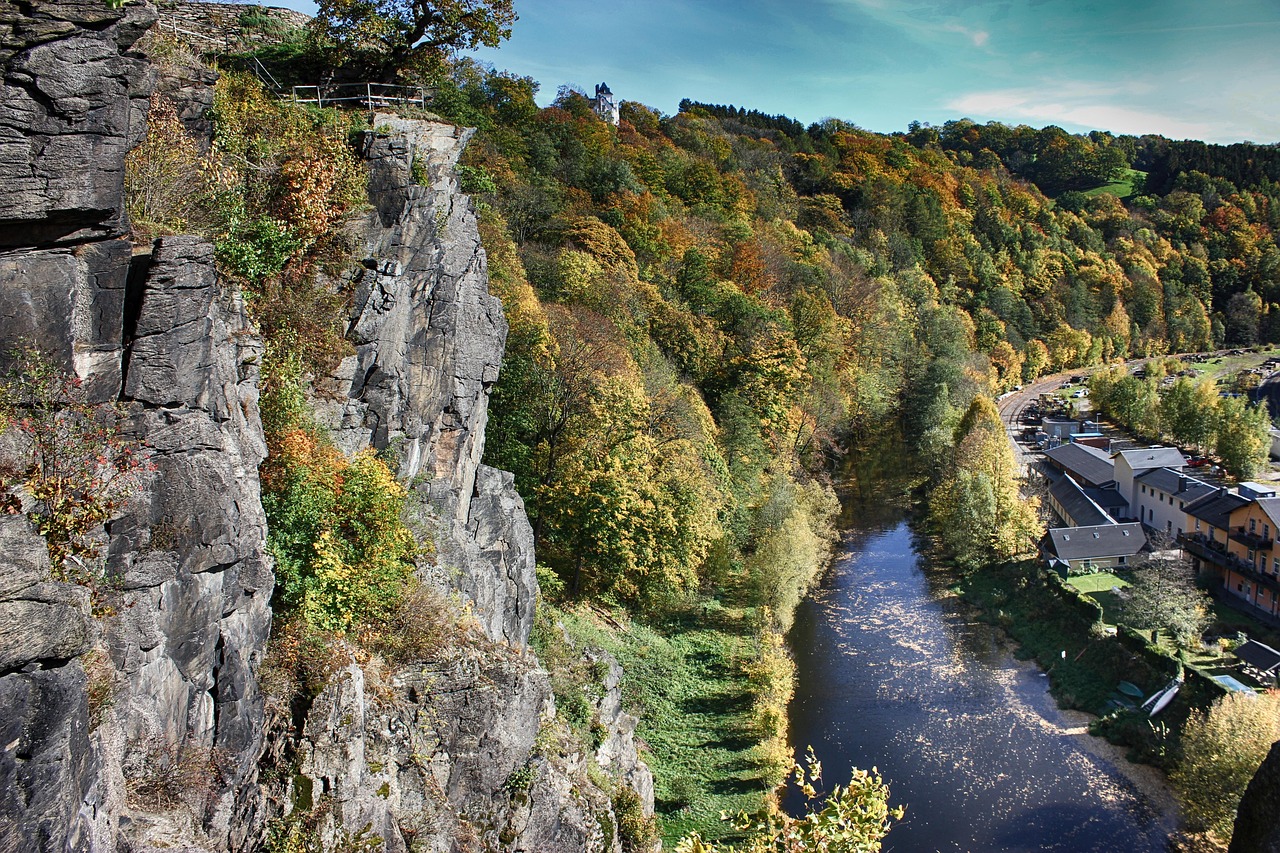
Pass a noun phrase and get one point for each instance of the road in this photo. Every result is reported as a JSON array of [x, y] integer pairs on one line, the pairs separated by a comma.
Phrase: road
[[1011, 408]]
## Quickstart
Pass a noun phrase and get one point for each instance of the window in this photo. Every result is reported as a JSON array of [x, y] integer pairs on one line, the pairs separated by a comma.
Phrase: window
[[1150, 514], [1120, 561], [1253, 525], [1179, 531], [1266, 531], [1275, 566], [1144, 490], [1197, 524], [1168, 526], [1250, 556], [1182, 504]]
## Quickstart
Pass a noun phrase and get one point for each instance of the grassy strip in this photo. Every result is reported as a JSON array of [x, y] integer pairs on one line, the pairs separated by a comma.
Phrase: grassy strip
[[686, 683]]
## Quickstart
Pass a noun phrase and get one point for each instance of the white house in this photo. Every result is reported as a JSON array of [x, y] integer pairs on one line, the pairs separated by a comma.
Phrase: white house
[[1131, 463], [1162, 498]]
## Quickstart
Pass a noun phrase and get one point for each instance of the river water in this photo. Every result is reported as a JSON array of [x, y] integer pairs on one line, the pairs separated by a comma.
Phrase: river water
[[893, 671]]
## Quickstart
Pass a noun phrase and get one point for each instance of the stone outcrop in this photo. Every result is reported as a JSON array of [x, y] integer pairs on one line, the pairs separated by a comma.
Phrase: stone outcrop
[[429, 339], [190, 554], [162, 680], [446, 753], [72, 102], [1257, 827]]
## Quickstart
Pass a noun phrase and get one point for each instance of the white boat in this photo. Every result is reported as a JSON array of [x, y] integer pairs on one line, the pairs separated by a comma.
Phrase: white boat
[[1161, 698]]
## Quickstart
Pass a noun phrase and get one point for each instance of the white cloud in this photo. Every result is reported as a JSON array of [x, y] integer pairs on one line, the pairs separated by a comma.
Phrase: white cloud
[[1084, 105]]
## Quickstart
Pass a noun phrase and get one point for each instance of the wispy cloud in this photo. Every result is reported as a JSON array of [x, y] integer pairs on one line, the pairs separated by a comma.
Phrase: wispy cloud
[[1081, 104]]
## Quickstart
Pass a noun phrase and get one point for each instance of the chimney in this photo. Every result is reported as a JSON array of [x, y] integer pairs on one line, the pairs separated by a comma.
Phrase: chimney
[[1182, 483]]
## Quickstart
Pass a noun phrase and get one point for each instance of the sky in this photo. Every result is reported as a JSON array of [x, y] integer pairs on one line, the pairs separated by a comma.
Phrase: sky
[[1186, 69]]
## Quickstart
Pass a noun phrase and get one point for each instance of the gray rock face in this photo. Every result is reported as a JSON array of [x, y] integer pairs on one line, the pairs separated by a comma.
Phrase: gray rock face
[[1257, 827], [189, 86], [190, 555], [618, 752], [429, 341], [443, 756], [71, 103], [45, 761]]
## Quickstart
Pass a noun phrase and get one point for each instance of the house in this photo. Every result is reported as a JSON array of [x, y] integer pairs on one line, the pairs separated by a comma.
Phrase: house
[[1254, 574], [1088, 466], [1163, 495], [604, 104], [1233, 537], [1060, 427], [1131, 463], [1080, 550], [1075, 506], [1207, 521]]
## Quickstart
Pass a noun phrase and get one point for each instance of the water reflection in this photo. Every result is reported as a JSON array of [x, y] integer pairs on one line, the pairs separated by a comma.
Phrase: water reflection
[[892, 672]]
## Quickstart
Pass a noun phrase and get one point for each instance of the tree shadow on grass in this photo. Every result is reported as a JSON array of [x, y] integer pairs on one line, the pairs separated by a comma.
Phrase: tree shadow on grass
[[724, 704]]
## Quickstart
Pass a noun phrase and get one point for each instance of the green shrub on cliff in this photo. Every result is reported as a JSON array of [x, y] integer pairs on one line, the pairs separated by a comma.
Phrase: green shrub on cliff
[[344, 557]]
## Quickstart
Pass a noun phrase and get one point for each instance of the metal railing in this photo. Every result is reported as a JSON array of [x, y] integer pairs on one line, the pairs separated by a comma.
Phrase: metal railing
[[370, 95]]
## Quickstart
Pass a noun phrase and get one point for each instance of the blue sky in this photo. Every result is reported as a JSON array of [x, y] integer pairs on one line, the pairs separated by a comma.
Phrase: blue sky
[[1202, 69]]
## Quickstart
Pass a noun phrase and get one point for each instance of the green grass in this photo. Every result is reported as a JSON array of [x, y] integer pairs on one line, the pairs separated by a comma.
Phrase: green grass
[[685, 686], [1226, 367], [1130, 183], [1098, 587], [1097, 582]]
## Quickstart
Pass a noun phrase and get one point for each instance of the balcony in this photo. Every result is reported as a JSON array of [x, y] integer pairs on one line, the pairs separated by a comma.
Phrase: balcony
[[1215, 554], [1252, 541]]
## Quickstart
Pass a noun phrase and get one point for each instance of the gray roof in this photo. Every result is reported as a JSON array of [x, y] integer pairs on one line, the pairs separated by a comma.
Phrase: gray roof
[[1109, 499], [1215, 509], [1089, 464], [1080, 509], [1258, 655], [1179, 485], [1154, 457], [1271, 506], [1097, 541]]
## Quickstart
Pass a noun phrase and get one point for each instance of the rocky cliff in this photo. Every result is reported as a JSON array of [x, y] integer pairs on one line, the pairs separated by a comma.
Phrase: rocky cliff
[[109, 705], [133, 719], [1257, 826]]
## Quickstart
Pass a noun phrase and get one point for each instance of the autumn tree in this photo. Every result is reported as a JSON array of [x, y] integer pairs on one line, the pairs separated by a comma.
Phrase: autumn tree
[[1189, 412], [977, 509], [1244, 437], [1164, 597], [1221, 750], [852, 818], [392, 38]]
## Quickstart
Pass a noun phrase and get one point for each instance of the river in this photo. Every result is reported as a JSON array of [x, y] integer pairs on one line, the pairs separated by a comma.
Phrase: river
[[893, 671]]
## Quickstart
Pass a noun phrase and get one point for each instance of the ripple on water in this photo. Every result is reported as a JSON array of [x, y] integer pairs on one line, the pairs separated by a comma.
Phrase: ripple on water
[[887, 676]]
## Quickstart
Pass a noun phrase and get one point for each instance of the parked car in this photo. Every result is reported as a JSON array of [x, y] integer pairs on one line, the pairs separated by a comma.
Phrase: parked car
[[1197, 462]]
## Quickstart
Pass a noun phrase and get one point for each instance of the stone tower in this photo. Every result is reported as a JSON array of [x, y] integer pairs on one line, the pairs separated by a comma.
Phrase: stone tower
[[604, 104]]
